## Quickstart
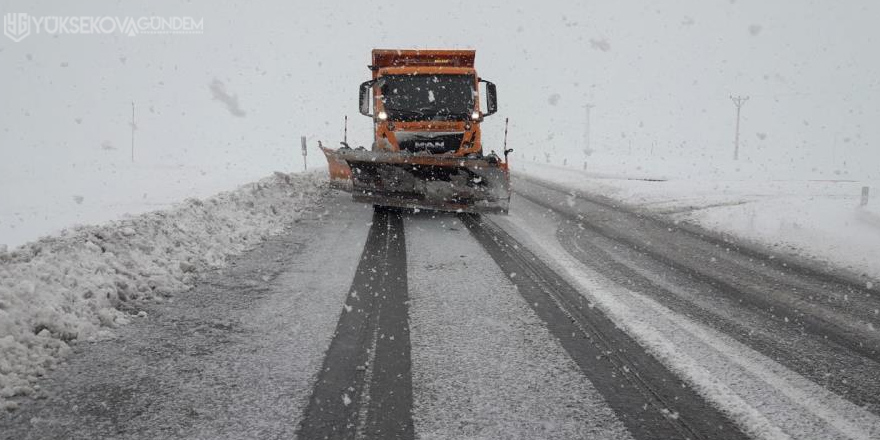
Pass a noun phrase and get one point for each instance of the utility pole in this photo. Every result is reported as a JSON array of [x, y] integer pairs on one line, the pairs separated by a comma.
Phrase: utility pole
[[588, 107], [587, 149], [738, 101], [132, 131]]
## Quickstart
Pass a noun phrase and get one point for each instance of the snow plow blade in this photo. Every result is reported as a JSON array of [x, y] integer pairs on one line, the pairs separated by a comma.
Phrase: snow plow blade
[[340, 173], [454, 184]]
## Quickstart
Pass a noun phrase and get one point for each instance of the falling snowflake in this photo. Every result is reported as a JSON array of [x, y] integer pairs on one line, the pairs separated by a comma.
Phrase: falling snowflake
[[602, 45]]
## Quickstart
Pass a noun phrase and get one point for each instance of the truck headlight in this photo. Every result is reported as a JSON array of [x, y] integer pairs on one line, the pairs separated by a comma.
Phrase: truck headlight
[[383, 116], [475, 115]]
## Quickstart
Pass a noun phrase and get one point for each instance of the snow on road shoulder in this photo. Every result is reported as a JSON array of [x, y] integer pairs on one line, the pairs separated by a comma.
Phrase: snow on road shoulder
[[484, 365], [766, 399], [817, 219], [79, 285]]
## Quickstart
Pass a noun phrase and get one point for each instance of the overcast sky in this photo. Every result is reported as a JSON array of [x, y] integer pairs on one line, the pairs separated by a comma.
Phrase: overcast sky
[[660, 77]]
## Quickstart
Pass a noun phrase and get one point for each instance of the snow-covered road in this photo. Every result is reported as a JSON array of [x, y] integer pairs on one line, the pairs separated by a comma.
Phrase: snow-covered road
[[566, 319], [484, 366]]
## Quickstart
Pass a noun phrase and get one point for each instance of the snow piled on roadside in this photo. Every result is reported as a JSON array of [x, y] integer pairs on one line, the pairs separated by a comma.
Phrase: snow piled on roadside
[[79, 285]]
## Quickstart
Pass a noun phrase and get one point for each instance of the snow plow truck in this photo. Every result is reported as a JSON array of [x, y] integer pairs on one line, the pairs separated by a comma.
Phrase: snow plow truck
[[427, 151]]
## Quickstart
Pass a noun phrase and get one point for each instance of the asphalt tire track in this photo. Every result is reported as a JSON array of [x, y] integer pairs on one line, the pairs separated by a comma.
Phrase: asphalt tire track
[[650, 400], [364, 388]]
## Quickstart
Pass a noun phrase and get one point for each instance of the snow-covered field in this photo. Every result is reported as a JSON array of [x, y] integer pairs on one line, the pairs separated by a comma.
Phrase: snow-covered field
[[813, 212], [78, 285]]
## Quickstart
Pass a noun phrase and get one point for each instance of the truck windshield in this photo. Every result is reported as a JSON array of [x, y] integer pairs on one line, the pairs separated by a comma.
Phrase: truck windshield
[[427, 97]]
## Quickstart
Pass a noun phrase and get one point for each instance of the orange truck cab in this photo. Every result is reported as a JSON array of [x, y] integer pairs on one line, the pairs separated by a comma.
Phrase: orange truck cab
[[427, 150], [426, 101]]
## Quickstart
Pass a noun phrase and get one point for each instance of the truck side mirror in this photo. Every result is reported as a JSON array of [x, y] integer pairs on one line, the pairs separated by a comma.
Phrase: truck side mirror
[[365, 96], [491, 98]]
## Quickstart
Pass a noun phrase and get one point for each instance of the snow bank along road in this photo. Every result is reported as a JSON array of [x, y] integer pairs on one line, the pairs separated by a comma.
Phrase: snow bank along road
[[571, 318]]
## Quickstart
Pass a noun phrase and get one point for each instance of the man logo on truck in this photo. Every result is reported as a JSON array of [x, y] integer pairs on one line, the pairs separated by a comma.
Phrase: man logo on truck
[[430, 144]]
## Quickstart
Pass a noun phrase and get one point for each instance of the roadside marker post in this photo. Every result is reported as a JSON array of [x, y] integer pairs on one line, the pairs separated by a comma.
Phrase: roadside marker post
[[865, 190]]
